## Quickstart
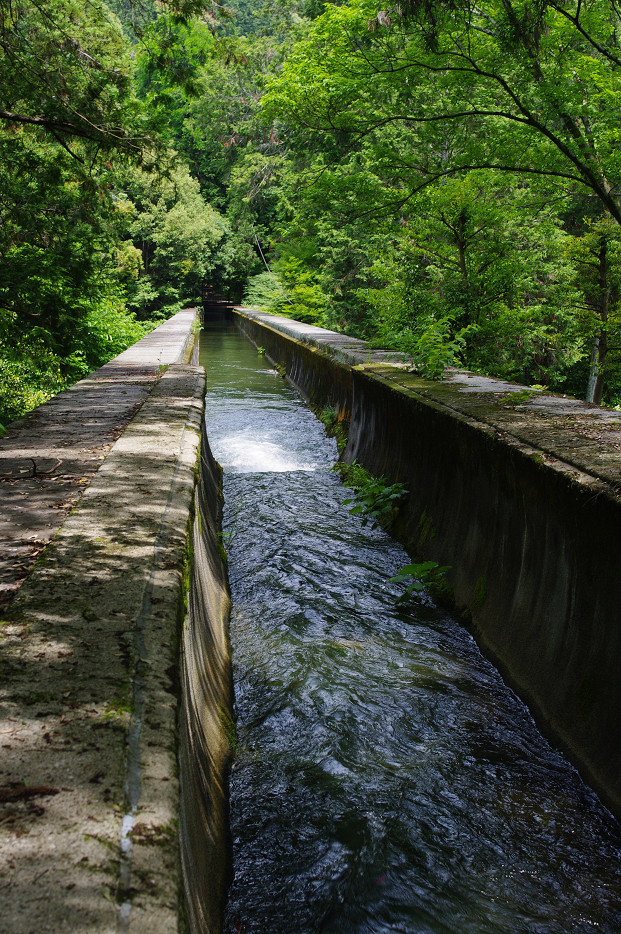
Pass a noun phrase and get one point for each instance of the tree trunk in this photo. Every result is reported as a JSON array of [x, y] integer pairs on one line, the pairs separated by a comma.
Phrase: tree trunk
[[605, 297], [593, 369], [601, 355]]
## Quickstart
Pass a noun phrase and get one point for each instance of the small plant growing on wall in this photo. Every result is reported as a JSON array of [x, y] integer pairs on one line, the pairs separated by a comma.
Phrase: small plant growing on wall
[[376, 500], [329, 416], [419, 577], [335, 424], [513, 399]]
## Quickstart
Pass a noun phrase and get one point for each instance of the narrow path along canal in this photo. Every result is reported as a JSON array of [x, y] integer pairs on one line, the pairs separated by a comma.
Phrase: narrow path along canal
[[385, 777]]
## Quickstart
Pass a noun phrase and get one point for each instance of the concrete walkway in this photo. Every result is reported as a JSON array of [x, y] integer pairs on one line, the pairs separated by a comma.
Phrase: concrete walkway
[[48, 458], [88, 681]]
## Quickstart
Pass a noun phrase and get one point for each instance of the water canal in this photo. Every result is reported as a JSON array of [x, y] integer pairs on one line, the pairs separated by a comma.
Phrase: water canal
[[385, 778]]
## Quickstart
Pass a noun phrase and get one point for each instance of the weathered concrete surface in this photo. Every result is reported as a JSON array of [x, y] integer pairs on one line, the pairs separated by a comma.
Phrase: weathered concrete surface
[[319, 362], [522, 498], [206, 725], [348, 350], [48, 457], [89, 797]]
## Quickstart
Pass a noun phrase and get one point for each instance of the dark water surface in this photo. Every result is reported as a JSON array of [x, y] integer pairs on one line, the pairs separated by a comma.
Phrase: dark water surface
[[385, 779]]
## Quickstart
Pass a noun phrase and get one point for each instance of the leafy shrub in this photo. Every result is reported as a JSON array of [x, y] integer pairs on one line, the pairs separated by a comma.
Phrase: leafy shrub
[[376, 500], [264, 291], [31, 371], [335, 425], [107, 331], [29, 376], [420, 576], [288, 290]]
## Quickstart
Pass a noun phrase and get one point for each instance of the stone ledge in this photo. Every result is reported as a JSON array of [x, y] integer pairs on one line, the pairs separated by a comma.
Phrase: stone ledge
[[48, 457], [587, 437], [88, 661]]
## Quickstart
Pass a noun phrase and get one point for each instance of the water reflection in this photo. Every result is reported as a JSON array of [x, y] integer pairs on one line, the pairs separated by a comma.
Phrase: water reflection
[[386, 779]]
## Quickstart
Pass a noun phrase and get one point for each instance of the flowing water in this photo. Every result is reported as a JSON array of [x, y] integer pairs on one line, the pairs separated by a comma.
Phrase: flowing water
[[385, 779]]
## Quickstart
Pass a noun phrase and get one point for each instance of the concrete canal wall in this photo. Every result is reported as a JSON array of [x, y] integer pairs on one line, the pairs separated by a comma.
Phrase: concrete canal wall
[[115, 691], [113, 700], [520, 494], [206, 728]]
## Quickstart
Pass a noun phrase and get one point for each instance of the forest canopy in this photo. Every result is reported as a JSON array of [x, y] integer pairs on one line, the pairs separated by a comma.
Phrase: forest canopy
[[442, 178]]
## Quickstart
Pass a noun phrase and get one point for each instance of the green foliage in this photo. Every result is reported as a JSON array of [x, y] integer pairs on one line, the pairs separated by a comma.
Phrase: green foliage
[[329, 416], [524, 98], [374, 499], [68, 119], [306, 299], [94, 214], [596, 258], [353, 475], [460, 181], [461, 208], [265, 292], [205, 96], [513, 399], [107, 331], [174, 234], [269, 17], [31, 372], [434, 347], [28, 377], [336, 427], [431, 345], [61, 308], [57, 232], [288, 291], [422, 576], [65, 72]]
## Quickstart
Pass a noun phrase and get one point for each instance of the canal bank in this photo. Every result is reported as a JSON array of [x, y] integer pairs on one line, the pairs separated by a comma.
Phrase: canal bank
[[519, 493], [93, 665], [385, 777], [104, 480]]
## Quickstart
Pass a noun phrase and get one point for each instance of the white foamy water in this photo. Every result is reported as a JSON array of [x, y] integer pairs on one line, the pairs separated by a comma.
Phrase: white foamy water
[[243, 453]]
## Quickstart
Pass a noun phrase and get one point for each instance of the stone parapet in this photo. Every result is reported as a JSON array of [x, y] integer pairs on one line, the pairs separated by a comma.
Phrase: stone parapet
[[91, 643]]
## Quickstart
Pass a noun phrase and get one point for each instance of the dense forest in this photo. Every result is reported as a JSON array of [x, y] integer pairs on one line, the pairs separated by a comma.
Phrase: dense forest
[[440, 177]]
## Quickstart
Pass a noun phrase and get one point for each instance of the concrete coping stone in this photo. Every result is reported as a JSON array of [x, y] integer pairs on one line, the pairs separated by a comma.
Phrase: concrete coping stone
[[48, 457], [348, 350], [574, 433]]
